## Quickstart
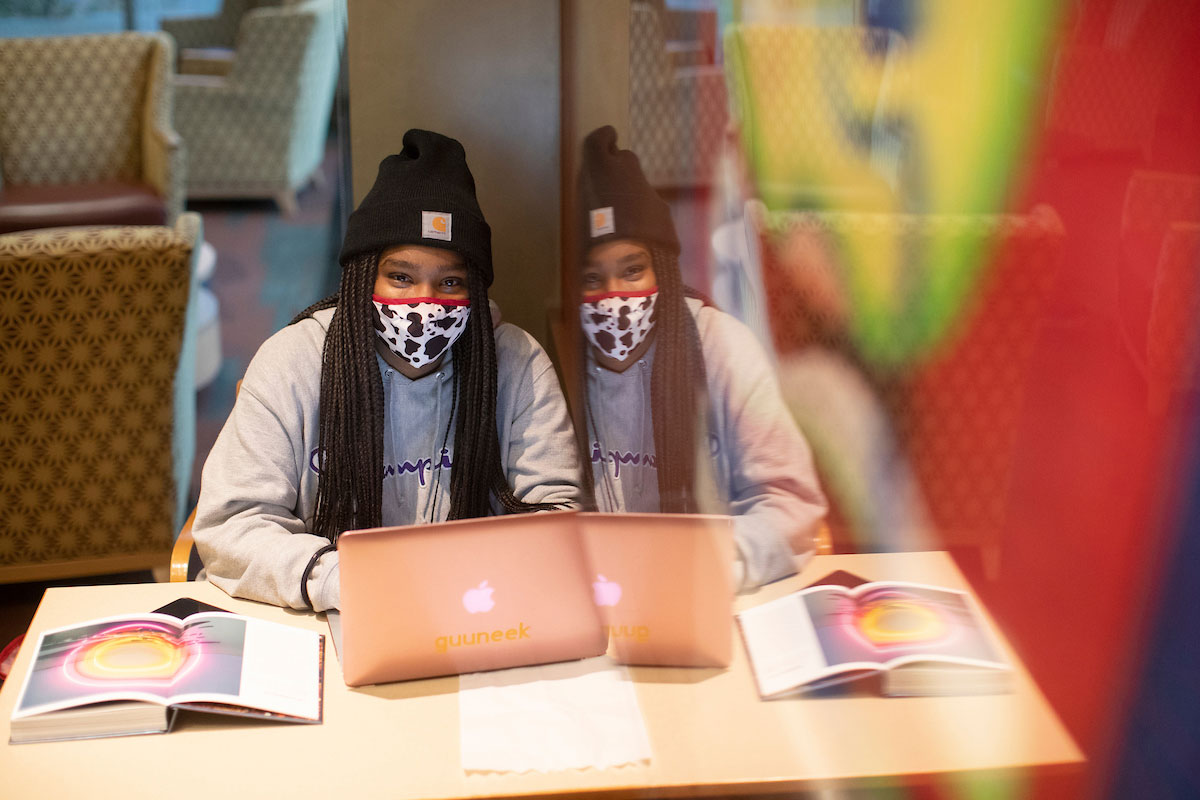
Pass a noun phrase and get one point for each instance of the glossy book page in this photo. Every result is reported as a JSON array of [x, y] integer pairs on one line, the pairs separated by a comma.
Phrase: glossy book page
[[154, 658]]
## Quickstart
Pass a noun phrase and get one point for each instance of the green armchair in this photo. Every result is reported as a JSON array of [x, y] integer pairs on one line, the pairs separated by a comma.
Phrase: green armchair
[[217, 31], [206, 43], [85, 132], [260, 130]]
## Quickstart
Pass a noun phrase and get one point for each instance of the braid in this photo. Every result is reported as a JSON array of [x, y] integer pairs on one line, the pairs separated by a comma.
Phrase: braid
[[677, 387], [477, 469], [581, 416], [320, 305], [350, 428], [351, 417]]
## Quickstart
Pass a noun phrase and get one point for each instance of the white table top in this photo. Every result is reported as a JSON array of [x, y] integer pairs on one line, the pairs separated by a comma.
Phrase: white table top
[[709, 731]]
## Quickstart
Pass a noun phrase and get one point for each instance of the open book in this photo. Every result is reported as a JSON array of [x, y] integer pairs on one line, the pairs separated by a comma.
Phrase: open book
[[921, 640], [127, 675]]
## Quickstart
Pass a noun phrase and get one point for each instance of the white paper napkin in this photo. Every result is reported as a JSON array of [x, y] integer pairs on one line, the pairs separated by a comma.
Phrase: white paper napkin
[[570, 715]]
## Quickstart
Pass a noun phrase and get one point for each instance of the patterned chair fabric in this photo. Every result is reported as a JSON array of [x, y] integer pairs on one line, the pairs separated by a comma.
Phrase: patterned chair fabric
[[1172, 336], [813, 108], [1106, 91], [218, 31], [678, 116], [97, 403], [89, 110], [260, 131], [955, 407], [1154, 202]]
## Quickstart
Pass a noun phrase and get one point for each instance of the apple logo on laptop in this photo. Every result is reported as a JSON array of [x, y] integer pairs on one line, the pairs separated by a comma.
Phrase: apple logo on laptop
[[479, 600], [606, 592]]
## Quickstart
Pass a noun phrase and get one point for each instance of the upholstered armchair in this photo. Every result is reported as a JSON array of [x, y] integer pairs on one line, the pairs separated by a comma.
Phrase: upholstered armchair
[[678, 115], [815, 110], [205, 44], [1158, 283], [217, 31], [1172, 336], [85, 132], [964, 300], [1154, 203], [97, 402], [260, 130]]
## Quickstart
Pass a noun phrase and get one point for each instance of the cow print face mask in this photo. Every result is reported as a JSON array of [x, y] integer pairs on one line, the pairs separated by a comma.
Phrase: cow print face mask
[[420, 329], [617, 322]]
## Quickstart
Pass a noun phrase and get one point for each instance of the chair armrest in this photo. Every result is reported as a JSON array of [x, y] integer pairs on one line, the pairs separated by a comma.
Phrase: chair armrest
[[210, 105], [205, 61], [200, 32], [199, 84], [1172, 339], [703, 76], [164, 167], [181, 553], [687, 54]]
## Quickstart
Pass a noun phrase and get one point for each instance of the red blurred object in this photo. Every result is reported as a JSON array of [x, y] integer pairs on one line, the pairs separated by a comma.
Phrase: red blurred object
[[8, 655]]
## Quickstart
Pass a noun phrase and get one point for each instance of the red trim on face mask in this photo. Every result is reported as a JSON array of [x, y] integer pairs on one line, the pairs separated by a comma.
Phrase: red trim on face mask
[[412, 301], [595, 298]]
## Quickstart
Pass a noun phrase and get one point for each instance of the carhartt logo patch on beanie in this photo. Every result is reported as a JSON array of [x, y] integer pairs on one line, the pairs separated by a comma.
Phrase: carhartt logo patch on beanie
[[423, 195], [436, 225], [615, 199], [602, 221]]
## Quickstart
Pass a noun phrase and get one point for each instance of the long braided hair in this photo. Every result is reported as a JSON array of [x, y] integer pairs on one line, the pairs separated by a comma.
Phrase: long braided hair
[[678, 394], [351, 416]]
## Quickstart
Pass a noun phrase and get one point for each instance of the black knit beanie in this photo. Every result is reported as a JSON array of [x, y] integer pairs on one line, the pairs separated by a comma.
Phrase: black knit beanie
[[615, 200], [423, 195]]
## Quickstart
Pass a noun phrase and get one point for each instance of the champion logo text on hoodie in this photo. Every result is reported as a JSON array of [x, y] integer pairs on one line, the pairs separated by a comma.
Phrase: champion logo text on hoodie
[[423, 468], [620, 457]]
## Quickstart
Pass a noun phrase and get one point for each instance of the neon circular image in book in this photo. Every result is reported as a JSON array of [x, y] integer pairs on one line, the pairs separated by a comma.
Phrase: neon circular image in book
[[892, 618], [134, 658], [134, 652]]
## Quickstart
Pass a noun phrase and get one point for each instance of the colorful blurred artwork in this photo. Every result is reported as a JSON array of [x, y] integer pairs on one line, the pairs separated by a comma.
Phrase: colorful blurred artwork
[[881, 622], [131, 659], [989, 211], [131, 653], [895, 617], [126, 675], [869, 121]]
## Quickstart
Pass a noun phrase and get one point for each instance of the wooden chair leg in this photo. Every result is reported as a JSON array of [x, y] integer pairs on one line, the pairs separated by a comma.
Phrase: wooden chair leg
[[181, 554], [823, 540]]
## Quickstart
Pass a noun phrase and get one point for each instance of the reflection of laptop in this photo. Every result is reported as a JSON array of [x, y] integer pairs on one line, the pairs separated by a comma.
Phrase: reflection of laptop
[[664, 585], [463, 596]]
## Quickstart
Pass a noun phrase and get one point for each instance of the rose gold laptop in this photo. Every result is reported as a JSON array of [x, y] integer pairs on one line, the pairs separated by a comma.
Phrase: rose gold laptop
[[664, 586], [464, 596]]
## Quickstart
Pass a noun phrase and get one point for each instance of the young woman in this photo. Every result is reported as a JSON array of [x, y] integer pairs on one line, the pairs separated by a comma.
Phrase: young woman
[[683, 411], [392, 402]]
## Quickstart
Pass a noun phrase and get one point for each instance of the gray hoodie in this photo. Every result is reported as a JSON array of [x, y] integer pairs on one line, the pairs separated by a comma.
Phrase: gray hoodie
[[761, 468], [259, 484]]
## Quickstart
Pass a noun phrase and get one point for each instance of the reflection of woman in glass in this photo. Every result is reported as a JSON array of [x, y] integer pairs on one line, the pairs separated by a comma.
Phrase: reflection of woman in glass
[[682, 412]]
